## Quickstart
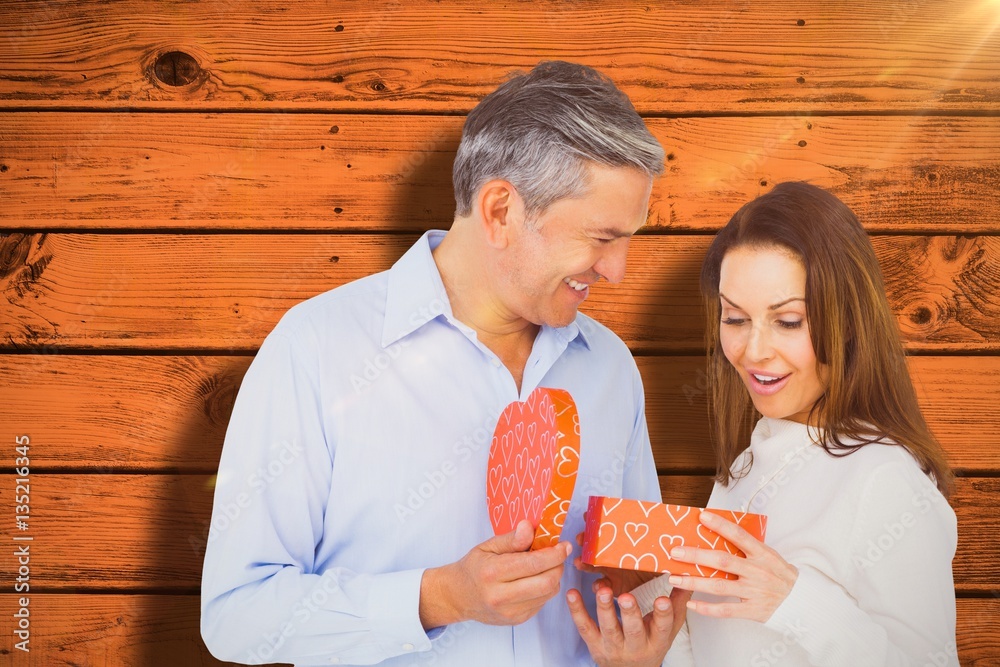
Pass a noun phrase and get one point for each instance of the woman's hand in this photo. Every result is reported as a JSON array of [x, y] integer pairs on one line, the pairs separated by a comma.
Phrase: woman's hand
[[765, 578]]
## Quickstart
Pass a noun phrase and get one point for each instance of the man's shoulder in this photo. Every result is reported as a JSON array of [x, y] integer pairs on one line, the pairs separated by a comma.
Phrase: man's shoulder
[[601, 339], [358, 303]]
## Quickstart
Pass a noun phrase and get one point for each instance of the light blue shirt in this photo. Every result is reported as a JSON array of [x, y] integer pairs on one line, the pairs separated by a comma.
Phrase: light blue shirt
[[356, 458]]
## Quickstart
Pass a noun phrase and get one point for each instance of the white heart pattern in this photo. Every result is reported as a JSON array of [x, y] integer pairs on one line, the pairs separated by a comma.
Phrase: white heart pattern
[[636, 531], [526, 468]]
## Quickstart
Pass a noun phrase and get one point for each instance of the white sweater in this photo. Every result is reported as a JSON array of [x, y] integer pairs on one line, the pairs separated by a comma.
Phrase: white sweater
[[873, 541]]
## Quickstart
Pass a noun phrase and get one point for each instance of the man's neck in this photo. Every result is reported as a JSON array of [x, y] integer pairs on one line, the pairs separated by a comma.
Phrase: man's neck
[[474, 303]]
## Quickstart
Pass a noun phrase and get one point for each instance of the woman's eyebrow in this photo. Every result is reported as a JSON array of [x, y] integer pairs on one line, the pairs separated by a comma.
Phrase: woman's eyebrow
[[774, 307]]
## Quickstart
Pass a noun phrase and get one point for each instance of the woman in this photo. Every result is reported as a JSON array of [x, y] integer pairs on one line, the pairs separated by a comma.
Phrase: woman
[[856, 569]]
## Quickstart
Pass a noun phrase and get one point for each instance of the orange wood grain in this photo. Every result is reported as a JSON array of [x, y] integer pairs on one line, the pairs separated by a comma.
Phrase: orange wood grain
[[127, 532], [721, 55], [71, 630], [113, 532], [288, 171], [162, 631], [225, 292], [169, 413]]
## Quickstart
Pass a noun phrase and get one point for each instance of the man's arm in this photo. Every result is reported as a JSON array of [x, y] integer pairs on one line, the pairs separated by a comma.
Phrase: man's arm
[[264, 597]]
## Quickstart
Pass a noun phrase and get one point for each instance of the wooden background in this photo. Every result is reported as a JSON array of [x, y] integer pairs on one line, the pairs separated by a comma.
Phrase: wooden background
[[174, 175]]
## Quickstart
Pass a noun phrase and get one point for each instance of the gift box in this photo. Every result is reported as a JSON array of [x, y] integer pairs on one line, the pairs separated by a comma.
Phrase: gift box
[[534, 457], [638, 535]]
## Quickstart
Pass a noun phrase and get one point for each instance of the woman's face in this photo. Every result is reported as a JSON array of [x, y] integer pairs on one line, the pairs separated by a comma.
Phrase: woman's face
[[764, 332]]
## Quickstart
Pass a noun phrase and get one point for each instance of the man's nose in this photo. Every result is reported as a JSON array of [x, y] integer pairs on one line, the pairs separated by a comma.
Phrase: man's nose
[[611, 265]]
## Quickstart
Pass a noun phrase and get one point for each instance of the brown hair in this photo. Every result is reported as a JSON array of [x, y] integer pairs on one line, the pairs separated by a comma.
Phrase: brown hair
[[870, 396]]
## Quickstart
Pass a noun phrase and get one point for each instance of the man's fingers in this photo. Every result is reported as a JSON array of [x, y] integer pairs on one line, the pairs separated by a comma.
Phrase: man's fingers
[[661, 623], [633, 627], [515, 541], [584, 623], [607, 619], [531, 563]]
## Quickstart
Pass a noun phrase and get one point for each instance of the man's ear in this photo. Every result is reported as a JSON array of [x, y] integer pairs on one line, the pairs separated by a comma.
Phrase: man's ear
[[499, 207]]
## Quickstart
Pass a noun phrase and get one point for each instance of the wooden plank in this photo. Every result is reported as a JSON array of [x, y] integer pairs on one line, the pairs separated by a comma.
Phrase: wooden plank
[[120, 413], [162, 631], [978, 631], [225, 292], [355, 172], [114, 532], [108, 630], [169, 413], [123, 532], [424, 56]]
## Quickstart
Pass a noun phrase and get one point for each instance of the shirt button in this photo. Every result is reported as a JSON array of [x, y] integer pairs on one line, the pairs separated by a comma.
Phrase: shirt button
[[496, 362], [407, 646]]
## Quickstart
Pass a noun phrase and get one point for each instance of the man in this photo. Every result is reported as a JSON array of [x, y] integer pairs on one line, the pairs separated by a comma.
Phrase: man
[[350, 523]]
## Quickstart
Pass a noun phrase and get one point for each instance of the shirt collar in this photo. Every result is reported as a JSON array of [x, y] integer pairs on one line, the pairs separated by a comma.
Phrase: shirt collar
[[416, 295]]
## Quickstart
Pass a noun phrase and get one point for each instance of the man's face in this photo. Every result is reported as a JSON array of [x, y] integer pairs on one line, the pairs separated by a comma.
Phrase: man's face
[[548, 267]]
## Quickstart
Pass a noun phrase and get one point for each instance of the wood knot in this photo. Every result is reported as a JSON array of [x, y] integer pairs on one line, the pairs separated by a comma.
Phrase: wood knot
[[378, 86], [921, 315], [13, 253], [176, 69], [218, 393]]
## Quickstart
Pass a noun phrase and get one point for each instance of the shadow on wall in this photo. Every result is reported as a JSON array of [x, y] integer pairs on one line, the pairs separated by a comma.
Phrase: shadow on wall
[[181, 522], [184, 510]]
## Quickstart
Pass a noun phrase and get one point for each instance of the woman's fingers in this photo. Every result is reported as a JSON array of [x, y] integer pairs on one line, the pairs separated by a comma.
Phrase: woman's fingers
[[746, 542]]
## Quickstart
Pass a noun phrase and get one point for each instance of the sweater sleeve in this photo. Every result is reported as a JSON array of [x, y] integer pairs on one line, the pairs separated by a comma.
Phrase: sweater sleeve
[[680, 653], [896, 605]]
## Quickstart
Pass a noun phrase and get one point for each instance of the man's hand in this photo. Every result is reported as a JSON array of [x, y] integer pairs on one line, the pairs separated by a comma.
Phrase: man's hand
[[499, 582], [636, 642]]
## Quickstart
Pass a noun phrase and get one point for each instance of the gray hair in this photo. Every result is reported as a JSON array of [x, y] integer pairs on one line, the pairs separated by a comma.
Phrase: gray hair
[[540, 130]]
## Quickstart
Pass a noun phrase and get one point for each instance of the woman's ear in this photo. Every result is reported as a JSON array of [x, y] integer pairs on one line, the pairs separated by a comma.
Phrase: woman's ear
[[499, 207]]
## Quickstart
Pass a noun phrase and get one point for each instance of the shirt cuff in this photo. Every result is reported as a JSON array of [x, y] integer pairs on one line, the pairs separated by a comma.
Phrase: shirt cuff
[[394, 610]]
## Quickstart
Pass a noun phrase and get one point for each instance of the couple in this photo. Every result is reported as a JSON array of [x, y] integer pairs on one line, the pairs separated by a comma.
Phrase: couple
[[373, 545]]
